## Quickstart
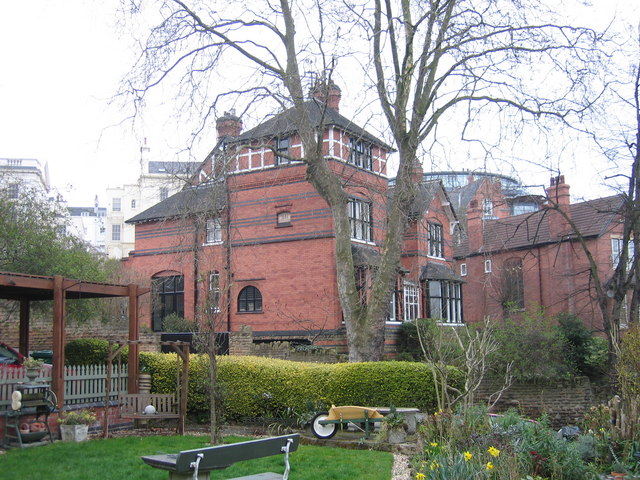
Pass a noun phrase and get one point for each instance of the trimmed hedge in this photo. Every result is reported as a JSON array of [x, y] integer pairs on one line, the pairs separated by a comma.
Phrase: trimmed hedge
[[258, 386], [90, 351]]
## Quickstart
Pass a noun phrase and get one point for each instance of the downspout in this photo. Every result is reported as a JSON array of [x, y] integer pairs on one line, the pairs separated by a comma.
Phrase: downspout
[[228, 252], [196, 261]]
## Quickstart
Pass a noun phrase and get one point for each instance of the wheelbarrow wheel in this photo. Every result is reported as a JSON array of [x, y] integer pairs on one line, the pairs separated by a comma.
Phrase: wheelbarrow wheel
[[320, 430]]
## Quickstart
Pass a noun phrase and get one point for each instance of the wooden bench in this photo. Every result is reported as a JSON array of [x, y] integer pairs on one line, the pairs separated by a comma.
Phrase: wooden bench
[[132, 405], [198, 463]]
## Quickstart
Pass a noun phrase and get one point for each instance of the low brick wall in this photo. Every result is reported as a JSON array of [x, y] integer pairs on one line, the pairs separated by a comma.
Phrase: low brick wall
[[564, 402]]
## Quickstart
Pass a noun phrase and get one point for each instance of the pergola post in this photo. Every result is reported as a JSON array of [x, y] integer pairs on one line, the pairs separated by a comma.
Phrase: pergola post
[[23, 342], [57, 372], [134, 346]]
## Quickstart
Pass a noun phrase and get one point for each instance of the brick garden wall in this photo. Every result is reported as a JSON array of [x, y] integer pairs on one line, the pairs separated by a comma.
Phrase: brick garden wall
[[564, 402]]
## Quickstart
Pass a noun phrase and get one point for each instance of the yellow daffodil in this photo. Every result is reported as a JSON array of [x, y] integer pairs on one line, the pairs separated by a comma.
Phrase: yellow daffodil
[[434, 444], [493, 451], [489, 466], [468, 456], [420, 476], [434, 465]]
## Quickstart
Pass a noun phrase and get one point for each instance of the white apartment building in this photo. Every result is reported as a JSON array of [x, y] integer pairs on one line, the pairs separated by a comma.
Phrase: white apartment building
[[89, 224], [157, 181], [21, 173]]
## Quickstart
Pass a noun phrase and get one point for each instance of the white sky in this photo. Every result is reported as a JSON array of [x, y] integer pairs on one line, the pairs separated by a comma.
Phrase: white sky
[[60, 62]]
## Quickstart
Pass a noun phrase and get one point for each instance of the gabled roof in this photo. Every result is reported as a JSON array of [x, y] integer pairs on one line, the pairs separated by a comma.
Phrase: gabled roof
[[592, 218], [284, 124], [427, 192], [189, 201]]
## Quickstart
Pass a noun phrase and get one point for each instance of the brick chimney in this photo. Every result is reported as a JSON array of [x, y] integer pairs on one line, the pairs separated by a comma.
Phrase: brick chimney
[[229, 125], [331, 94], [558, 197], [475, 227]]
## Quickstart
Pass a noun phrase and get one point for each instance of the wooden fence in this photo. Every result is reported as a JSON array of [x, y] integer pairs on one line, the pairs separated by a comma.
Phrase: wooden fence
[[82, 384]]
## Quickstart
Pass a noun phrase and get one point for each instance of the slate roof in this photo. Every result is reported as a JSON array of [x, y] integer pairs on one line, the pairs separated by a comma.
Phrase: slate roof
[[284, 124], [439, 271], [592, 218], [189, 201]]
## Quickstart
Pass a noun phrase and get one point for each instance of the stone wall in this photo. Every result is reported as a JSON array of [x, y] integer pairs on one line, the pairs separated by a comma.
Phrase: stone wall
[[564, 402]]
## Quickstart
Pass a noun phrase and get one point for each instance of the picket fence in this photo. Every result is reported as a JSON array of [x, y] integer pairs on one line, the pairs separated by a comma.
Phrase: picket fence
[[82, 384]]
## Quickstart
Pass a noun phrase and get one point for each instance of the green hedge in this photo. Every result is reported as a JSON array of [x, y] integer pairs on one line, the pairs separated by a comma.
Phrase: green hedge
[[257, 386], [90, 351]]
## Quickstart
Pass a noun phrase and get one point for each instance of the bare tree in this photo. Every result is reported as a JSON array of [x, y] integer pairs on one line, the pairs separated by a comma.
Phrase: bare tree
[[435, 62]]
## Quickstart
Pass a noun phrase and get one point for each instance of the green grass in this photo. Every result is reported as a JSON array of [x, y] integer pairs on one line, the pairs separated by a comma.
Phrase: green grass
[[119, 458]]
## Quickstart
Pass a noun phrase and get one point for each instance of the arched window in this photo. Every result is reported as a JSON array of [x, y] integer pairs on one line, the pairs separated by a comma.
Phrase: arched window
[[168, 298], [250, 300]]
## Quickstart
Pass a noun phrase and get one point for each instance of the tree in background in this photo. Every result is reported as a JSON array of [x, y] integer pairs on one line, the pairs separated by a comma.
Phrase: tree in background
[[33, 240], [434, 63]]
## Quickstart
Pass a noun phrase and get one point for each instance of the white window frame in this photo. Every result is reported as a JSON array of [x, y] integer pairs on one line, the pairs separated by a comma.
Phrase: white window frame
[[487, 266], [214, 291], [616, 245], [463, 269], [435, 239], [283, 218], [116, 232], [360, 219], [163, 193], [487, 208], [282, 146], [116, 204], [447, 300], [133, 204], [213, 232], [410, 301]]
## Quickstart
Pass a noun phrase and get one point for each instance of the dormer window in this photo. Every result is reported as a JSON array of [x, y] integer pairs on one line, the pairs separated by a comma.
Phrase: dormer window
[[487, 208], [360, 154], [281, 146]]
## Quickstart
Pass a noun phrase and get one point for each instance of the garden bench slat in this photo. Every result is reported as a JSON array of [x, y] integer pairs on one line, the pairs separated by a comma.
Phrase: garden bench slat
[[181, 465]]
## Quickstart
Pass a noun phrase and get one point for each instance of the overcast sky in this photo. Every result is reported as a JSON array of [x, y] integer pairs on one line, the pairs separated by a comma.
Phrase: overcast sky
[[61, 61]]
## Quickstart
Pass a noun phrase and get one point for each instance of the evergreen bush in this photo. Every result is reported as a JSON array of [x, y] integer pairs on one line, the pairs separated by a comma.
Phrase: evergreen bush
[[90, 351], [265, 387]]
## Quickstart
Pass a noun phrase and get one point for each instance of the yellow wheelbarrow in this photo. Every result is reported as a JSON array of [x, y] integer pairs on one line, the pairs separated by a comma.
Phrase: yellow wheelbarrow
[[325, 424]]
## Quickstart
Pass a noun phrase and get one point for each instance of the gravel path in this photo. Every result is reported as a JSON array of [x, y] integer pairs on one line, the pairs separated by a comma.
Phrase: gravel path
[[401, 469]]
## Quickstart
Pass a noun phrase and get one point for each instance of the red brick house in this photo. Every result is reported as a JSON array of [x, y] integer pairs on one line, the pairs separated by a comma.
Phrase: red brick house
[[535, 259], [252, 242]]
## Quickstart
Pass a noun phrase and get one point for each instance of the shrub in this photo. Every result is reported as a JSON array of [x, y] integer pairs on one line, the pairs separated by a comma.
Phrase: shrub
[[264, 387], [584, 353], [176, 323], [89, 351], [535, 347]]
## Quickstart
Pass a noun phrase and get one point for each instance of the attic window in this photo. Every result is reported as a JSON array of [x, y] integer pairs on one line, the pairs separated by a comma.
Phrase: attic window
[[360, 154], [281, 146], [487, 266]]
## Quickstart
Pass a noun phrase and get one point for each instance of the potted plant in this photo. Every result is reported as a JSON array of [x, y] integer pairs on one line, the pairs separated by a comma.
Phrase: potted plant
[[618, 470], [32, 368], [394, 427], [74, 425]]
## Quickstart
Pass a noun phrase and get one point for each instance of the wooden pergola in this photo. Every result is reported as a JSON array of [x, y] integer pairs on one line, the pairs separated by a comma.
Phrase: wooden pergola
[[28, 288]]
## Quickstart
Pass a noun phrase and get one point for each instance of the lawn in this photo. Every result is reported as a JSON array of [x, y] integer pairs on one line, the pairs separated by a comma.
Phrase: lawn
[[119, 458]]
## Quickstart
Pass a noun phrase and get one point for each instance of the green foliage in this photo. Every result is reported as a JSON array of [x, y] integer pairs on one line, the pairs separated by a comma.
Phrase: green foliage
[[535, 347], [33, 241], [472, 444], [263, 387], [176, 323], [583, 352], [90, 351], [77, 417], [628, 365]]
